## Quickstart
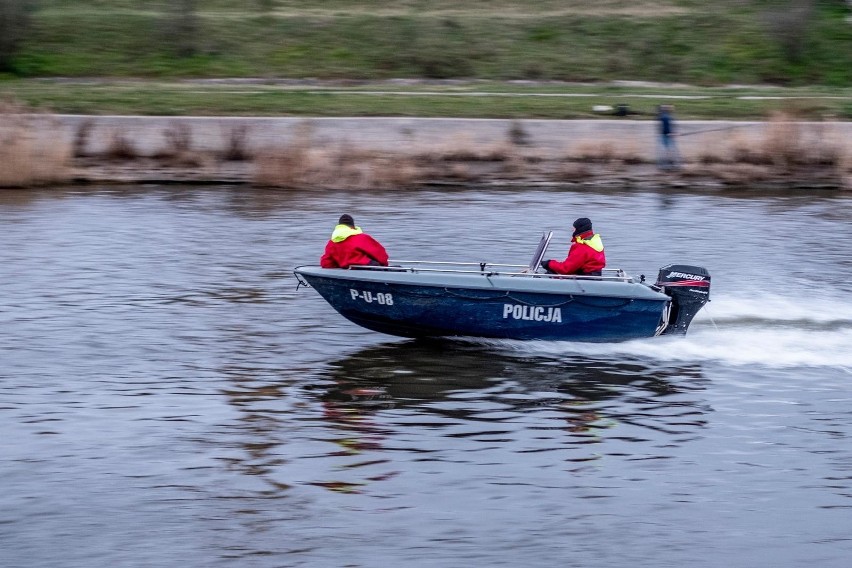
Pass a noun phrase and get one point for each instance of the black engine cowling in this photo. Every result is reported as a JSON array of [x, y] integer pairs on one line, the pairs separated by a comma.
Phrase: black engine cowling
[[689, 289]]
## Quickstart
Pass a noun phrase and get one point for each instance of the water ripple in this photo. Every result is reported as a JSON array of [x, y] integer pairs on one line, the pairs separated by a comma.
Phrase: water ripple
[[167, 392]]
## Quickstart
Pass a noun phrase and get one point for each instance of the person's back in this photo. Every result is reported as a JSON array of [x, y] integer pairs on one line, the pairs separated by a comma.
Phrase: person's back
[[586, 255], [349, 245], [665, 119], [668, 156]]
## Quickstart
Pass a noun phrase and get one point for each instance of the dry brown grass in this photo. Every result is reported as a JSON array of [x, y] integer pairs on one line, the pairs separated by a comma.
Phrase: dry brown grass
[[461, 147], [730, 174], [517, 167], [81, 138], [846, 162], [302, 164], [32, 148], [178, 138], [606, 152], [782, 149], [782, 144], [235, 147], [572, 172], [785, 147], [120, 147], [304, 168], [595, 152], [712, 155], [177, 151], [743, 174]]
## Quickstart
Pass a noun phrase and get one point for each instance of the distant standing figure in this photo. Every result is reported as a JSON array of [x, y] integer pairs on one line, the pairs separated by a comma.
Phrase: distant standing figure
[[668, 157], [585, 257], [350, 245]]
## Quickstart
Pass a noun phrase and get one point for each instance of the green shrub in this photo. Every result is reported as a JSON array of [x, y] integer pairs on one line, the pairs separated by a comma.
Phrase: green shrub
[[14, 26]]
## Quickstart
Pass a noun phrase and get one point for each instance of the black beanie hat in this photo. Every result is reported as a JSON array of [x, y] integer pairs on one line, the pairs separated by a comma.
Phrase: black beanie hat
[[346, 220], [582, 225]]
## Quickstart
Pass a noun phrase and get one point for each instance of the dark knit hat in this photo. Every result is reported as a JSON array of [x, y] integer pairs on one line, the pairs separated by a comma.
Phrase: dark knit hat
[[582, 225], [346, 219]]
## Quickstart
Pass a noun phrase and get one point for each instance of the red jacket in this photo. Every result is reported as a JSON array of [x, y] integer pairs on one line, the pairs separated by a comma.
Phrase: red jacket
[[349, 246], [585, 255]]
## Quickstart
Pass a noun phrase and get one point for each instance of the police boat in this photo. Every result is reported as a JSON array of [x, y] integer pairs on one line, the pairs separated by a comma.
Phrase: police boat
[[506, 301]]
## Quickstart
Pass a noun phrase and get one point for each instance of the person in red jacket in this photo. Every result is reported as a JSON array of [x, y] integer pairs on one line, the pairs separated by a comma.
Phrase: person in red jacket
[[350, 245], [585, 257]]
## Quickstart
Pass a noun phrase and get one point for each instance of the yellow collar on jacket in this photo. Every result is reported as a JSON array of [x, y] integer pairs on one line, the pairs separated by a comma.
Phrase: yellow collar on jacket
[[343, 232], [595, 242]]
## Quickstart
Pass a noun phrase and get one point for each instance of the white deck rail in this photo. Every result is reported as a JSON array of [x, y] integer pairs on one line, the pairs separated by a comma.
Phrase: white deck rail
[[486, 268]]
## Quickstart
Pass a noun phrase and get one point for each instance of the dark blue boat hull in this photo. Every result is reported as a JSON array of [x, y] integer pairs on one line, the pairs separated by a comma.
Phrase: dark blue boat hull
[[411, 310]]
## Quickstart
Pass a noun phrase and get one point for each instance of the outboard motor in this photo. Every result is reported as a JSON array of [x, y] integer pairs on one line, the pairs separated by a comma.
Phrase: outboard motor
[[689, 289]]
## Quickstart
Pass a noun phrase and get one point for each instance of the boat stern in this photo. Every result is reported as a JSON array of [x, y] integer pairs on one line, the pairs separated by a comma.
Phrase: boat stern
[[689, 289]]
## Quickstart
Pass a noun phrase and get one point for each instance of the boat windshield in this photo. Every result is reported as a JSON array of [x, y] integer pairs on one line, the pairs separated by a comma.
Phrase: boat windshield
[[539, 252]]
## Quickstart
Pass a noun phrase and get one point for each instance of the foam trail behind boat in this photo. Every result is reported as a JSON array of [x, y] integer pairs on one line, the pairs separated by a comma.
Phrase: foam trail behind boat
[[768, 330]]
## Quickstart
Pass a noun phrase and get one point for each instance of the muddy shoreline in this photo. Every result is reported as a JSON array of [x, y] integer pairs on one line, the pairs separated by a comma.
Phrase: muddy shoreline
[[595, 177]]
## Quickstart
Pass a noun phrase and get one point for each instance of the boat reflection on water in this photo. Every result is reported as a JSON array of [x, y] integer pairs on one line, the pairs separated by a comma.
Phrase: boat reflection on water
[[357, 421], [423, 369], [469, 381]]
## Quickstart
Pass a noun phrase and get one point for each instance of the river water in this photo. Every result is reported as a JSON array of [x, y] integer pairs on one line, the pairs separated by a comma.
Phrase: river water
[[168, 397]]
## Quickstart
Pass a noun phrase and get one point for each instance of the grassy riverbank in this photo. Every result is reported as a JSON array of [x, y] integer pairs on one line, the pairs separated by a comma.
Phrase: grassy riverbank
[[496, 59], [420, 98], [781, 42]]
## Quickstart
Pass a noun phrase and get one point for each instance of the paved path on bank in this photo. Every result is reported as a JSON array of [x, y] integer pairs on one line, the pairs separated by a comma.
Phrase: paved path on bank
[[148, 134]]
